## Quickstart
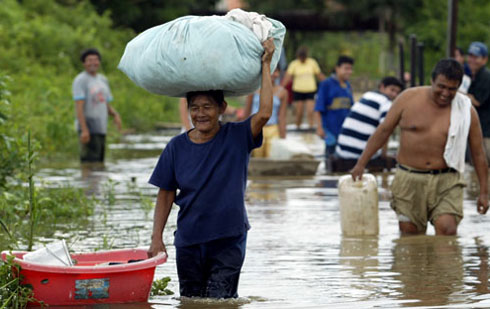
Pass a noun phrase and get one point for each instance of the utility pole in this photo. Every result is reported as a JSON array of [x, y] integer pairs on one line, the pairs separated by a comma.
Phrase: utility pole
[[402, 63], [413, 60], [420, 62], [452, 26]]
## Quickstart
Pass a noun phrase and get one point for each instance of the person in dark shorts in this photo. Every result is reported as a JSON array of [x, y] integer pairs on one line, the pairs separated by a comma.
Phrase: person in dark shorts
[[304, 72], [92, 96], [208, 165]]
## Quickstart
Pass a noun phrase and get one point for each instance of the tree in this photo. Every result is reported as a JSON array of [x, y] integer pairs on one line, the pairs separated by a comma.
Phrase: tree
[[141, 15]]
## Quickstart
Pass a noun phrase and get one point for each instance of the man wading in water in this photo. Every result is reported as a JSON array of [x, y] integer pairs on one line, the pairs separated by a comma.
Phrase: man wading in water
[[435, 124]]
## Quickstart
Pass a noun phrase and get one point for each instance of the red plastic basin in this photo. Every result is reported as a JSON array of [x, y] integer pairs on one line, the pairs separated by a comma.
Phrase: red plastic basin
[[128, 280]]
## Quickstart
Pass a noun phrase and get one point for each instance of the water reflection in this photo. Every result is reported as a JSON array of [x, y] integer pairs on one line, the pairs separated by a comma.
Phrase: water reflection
[[93, 174], [264, 191], [477, 267], [207, 303], [359, 254], [429, 268], [327, 183], [103, 306]]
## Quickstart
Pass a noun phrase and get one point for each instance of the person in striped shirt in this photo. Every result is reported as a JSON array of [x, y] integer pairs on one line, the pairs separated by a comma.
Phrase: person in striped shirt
[[363, 119]]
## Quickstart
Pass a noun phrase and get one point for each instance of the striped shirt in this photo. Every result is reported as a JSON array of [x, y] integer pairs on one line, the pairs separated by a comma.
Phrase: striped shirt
[[363, 119]]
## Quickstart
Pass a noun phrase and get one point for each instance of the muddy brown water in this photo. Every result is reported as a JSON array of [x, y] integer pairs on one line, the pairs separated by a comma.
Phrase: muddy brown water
[[296, 255]]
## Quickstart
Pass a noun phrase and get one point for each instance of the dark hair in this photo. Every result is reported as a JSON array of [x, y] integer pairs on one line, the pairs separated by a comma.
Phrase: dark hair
[[391, 81], [344, 59], [461, 51], [216, 95], [88, 52], [302, 52], [450, 68]]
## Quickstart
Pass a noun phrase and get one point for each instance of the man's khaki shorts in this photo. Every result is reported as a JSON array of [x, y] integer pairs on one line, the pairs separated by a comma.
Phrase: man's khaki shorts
[[419, 198]]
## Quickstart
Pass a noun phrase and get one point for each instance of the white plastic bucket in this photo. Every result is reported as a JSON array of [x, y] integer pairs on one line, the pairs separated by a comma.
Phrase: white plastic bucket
[[358, 202]]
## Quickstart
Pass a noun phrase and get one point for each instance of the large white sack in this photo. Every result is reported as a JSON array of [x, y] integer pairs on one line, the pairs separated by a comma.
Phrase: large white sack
[[194, 53], [289, 149]]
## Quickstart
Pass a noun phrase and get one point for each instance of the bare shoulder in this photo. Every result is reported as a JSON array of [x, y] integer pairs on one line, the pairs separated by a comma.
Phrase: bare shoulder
[[412, 92], [474, 115], [475, 132], [409, 95]]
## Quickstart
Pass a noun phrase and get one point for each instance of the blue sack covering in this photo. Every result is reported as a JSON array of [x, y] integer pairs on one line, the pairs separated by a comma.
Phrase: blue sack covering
[[194, 53]]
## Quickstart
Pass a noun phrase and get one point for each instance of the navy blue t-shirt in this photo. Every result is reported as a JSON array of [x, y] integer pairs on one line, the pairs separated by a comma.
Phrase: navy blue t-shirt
[[333, 102], [211, 177]]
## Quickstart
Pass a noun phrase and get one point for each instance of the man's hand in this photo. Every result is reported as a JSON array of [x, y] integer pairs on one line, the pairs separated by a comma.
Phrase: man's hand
[[357, 172], [474, 101], [482, 204], [85, 137], [320, 132], [155, 248], [118, 122], [268, 50]]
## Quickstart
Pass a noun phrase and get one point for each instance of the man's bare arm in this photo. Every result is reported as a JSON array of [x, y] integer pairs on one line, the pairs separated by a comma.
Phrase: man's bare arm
[[320, 76], [319, 125], [479, 161], [84, 134], [384, 150], [283, 108], [380, 136], [117, 118], [286, 80]]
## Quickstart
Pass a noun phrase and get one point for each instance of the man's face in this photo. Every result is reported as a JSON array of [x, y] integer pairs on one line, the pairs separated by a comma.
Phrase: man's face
[[390, 91], [205, 113], [444, 90], [344, 71], [476, 62], [91, 64]]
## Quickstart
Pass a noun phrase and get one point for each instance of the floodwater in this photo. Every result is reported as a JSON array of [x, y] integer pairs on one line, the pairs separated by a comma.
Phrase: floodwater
[[296, 255]]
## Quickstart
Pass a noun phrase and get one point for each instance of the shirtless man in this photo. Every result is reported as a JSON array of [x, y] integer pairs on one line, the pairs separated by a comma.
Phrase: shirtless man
[[425, 187]]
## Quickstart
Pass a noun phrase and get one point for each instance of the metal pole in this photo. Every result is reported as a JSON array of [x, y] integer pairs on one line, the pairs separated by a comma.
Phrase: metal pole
[[402, 62], [413, 60], [420, 58], [452, 26]]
